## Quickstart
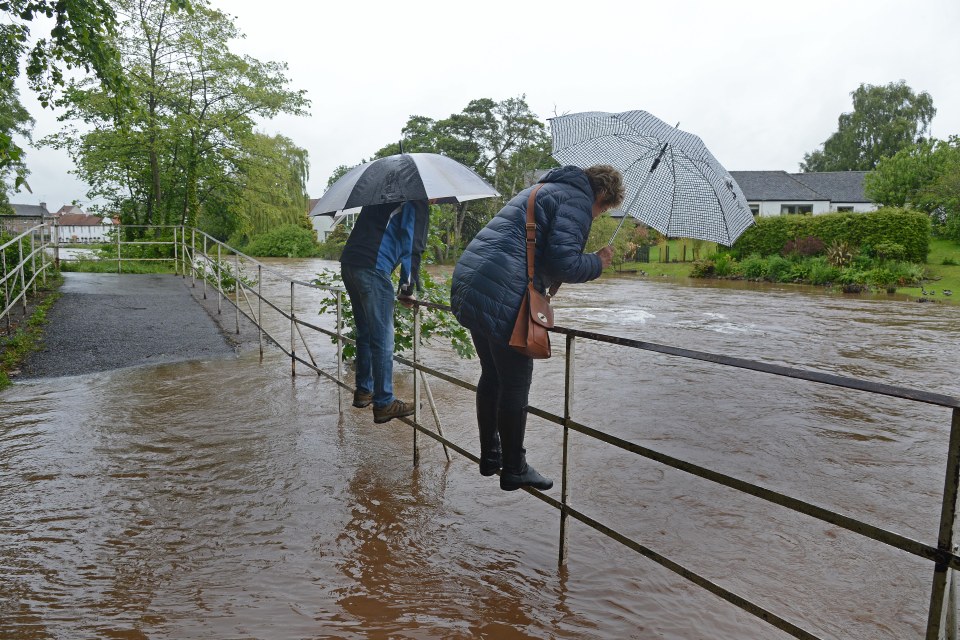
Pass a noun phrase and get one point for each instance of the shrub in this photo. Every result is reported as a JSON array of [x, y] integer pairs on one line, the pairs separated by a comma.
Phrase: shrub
[[724, 266], [754, 267], [911, 229], [778, 269], [702, 269], [285, 241], [806, 246], [889, 251], [840, 254], [822, 272]]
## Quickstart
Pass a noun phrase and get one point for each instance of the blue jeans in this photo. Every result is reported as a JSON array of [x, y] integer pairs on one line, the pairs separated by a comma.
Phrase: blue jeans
[[372, 298]]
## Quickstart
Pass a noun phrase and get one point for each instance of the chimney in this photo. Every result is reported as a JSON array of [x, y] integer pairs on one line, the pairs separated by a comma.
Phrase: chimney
[[43, 205]]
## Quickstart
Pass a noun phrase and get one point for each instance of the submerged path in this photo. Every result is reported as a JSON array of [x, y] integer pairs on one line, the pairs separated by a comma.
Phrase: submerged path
[[107, 321]]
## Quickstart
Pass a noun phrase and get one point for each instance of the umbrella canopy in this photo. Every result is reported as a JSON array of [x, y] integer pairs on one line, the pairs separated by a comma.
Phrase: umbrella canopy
[[403, 177], [673, 183]]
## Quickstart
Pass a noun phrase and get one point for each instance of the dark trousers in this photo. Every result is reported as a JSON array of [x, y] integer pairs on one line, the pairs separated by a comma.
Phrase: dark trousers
[[503, 393]]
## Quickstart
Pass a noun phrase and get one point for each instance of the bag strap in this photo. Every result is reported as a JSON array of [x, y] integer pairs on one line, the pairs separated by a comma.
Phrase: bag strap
[[532, 231]]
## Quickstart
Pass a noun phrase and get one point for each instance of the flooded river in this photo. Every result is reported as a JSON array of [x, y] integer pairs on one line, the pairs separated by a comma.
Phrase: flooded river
[[226, 499]]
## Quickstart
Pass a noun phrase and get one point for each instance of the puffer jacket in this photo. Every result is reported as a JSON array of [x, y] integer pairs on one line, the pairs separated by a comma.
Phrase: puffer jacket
[[490, 278]]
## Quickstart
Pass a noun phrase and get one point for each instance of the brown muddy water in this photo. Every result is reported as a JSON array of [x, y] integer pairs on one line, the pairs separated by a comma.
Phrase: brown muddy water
[[227, 499]]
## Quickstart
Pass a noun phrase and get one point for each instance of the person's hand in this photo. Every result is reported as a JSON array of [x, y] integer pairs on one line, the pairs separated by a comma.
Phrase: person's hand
[[605, 255], [406, 296]]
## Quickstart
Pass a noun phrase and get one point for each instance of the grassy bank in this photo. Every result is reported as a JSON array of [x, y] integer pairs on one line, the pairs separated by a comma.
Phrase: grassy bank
[[941, 277], [27, 337], [110, 266]]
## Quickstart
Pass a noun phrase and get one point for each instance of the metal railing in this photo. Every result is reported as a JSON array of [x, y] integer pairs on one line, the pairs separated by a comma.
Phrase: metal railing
[[942, 619], [19, 256], [116, 236]]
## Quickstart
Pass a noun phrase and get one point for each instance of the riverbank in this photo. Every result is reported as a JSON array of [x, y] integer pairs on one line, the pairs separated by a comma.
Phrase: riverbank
[[942, 284]]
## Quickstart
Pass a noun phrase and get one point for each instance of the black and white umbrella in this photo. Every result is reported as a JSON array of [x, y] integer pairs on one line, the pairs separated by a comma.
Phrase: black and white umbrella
[[404, 177], [673, 182]]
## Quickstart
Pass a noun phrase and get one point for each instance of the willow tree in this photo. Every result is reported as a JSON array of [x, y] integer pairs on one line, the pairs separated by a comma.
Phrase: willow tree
[[176, 140]]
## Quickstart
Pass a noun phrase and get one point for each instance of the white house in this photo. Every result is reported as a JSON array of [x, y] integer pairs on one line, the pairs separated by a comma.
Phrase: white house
[[83, 228], [778, 193], [322, 224]]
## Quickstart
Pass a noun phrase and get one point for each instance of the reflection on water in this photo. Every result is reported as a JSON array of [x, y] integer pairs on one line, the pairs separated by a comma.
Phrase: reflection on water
[[227, 499]]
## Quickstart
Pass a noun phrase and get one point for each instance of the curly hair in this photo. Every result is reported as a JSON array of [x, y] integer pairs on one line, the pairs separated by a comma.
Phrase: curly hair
[[607, 185]]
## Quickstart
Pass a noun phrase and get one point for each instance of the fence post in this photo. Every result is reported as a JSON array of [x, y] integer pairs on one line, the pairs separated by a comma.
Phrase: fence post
[[236, 287], [260, 307], [567, 416], [942, 619], [416, 382], [193, 257], [176, 254], [206, 265], [43, 253], [33, 263], [118, 250], [23, 279], [340, 351], [219, 282], [6, 288], [56, 245], [293, 344]]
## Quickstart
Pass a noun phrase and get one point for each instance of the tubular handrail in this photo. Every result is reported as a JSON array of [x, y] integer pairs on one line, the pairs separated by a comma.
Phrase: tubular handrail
[[941, 621], [16, 292], [943, 554]]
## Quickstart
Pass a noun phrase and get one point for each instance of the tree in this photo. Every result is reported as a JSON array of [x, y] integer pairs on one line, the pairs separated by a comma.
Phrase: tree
[[505, 142], [14, 119], [80, 39], [885, 119], [925, 176], [274, 175], [180, 148]]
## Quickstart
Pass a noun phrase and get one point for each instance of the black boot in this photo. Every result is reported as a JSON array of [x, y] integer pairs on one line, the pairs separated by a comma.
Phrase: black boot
[[516, 472], [489, 438]]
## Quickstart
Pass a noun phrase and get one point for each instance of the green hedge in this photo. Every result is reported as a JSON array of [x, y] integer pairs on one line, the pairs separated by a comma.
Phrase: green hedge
[[910, 229]]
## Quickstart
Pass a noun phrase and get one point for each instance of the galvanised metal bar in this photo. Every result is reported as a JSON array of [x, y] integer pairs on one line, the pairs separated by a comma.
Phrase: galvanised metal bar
[[260, 308], [943, 555], [219, 280], [567, 416], [6, 289], [416, 384], [941, 622], [23, 279], [293, 351], [800, 374], [339, 349], [236, 288]]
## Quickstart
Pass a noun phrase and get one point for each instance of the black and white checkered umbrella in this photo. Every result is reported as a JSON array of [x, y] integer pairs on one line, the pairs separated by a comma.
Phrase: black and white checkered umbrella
[[674, 184], [403, 177]]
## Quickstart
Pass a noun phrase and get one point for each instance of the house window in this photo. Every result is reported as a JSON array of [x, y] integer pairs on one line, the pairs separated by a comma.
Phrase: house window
[[844, 208], [755, 209], [801, 209]]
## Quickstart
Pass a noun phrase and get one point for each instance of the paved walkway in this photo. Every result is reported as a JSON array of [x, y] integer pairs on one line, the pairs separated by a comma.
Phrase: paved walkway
[[108, 321]]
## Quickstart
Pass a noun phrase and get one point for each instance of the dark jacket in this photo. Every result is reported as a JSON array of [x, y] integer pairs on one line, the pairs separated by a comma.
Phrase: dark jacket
[[387, 235], [490, 278]]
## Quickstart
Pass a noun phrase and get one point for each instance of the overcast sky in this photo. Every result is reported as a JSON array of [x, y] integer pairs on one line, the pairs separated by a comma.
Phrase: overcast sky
[[761, 82]]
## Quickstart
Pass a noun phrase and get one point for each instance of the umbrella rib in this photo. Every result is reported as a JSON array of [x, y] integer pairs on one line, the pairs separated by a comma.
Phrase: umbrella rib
[[726, 223]]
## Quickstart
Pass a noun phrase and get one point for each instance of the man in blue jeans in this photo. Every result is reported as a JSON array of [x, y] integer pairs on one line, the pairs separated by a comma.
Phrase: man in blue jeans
[[383, 237]]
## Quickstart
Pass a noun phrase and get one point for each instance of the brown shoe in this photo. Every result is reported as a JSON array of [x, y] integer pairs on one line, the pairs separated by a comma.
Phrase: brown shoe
[[362, 399], [396, 409]]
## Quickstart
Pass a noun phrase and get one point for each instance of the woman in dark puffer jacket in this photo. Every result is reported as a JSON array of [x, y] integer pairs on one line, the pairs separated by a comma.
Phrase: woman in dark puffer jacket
[[488, 286]]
